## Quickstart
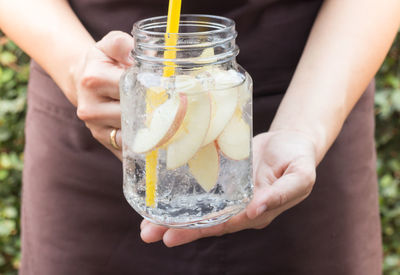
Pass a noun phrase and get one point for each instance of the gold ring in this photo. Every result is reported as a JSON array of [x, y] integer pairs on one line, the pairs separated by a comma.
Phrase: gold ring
[[113, 139]]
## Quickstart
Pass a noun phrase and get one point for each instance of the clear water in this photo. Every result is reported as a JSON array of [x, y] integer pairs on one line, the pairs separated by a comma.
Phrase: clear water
[[180, 200]]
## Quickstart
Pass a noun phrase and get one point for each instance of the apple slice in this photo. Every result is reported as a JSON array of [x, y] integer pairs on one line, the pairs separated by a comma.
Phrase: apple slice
[[223, 105], [206, 57], [155, 96], [234, 141], [204, 166], [194, 129], [244, 93], [165, 121], [188, 86]]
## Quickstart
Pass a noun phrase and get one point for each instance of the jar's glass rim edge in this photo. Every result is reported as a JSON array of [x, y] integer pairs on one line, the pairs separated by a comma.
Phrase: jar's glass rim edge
[[230, 25]]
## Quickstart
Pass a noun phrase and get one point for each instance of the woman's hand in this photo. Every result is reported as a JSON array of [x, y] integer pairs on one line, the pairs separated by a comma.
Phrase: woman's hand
[[284, 174], [96, 80]]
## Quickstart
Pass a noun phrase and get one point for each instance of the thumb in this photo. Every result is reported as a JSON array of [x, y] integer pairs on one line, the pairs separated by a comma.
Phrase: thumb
[[293, 186], [118, 46]]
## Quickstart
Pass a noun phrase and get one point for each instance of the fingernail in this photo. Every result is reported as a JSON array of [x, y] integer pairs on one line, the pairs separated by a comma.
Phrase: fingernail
[[261, 209]]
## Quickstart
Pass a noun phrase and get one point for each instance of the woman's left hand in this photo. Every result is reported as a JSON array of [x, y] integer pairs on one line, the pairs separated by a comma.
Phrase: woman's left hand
[[284, 173]]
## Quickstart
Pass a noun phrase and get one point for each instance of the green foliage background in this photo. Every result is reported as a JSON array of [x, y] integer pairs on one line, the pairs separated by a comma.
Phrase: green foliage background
[[387, 136], [14, 70]]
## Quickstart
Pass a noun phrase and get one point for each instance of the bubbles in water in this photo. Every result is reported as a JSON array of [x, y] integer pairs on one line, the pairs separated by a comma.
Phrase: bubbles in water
[[180, 200]]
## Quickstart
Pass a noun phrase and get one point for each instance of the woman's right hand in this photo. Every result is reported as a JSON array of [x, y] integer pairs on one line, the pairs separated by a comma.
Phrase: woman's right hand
[[96, 83]]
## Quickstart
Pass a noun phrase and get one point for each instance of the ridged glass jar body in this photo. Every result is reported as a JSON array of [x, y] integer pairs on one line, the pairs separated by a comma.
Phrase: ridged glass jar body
[[187, 123]]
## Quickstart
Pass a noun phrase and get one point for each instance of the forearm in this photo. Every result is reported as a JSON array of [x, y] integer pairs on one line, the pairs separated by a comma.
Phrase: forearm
[[347, 44], [50, 32]]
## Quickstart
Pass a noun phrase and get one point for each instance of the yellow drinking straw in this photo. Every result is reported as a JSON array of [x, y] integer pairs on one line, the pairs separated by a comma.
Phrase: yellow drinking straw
[[174, 14], [155, 98]]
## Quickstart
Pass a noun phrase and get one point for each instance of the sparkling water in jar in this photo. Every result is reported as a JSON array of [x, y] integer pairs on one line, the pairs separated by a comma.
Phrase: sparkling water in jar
[[187, 123]]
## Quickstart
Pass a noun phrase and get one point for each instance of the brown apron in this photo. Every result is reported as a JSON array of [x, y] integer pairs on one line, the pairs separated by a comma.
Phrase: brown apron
[[75, 220]]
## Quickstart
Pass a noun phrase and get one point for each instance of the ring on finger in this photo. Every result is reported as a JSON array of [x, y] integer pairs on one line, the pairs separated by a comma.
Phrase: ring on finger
[[113, 139]]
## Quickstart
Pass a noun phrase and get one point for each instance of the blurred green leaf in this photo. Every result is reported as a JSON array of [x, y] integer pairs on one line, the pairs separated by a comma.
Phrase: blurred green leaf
[[2, 260], [6, 227], [3, 174], [396, 99], [7, 58], [6, 76], [10, 212]]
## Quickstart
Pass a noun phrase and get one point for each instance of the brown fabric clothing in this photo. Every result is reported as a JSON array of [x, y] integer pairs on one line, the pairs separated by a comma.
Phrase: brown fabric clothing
[[75, 219]]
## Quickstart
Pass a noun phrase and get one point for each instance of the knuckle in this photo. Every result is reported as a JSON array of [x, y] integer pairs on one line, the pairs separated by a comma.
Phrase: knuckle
[[90, 81], [84, 112], [282, 198], [115, 33], [261, 226], [81, 113], [278, 198], [117, 40], [308, 175], [308, 187], [109, 36], [112, 41], [264, 223]]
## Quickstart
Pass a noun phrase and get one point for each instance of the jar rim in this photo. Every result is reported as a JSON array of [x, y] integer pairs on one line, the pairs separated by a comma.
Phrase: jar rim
[[198, 32], [220, 23]]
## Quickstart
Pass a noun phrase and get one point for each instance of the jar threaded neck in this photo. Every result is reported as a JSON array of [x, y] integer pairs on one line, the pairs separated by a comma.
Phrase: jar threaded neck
[[197, 33]]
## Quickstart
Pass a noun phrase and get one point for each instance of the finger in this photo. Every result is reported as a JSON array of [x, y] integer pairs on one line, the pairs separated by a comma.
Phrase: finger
[[175, 237], [100, 114], [117, 45], [144, 223], [118, 139], [103, 82], [152, 232], [103, 135], [116, 151], [273, 167], [296, 183], [109, 115], [267, 217]]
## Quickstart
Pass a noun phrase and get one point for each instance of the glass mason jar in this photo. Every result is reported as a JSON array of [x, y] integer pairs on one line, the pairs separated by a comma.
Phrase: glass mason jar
[[187, 123]]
